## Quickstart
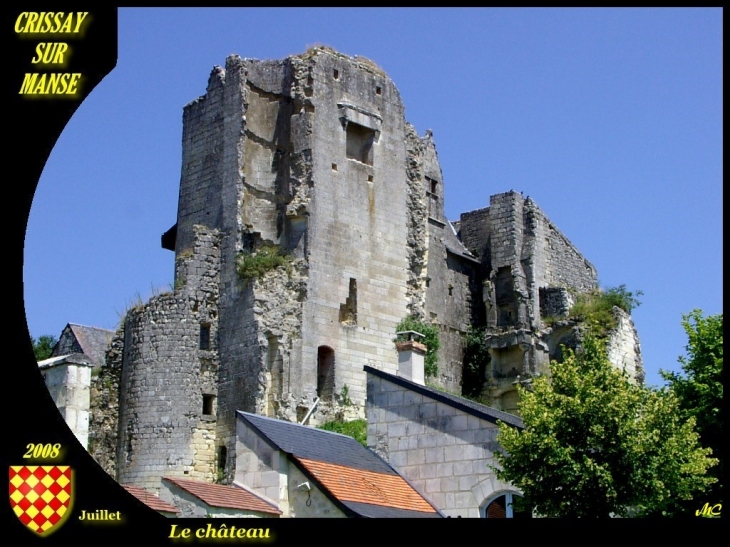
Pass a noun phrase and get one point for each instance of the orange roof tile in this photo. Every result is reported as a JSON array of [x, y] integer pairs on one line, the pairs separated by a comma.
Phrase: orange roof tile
[[149, 499], [228, 497], [359, 485]]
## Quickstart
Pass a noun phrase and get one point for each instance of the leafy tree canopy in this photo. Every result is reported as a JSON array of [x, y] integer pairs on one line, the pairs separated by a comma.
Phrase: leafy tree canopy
[[43, 346], [699, 388], [595, 444]]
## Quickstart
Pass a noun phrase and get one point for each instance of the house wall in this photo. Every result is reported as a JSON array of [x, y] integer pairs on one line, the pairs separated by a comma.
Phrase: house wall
[[269, 473], [69, 386], [192, 507], [444, 452]]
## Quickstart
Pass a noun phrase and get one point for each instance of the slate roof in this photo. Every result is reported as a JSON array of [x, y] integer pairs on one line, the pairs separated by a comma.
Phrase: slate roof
[[149, 499], [355, 478], [226, 497], [91, 341], [454, 245], [470, 407]]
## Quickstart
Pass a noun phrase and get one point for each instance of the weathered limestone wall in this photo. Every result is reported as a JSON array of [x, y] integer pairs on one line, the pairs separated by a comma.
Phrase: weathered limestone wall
[[169, 378], [556, 261], [624, 350], [418, 237], [104, 412], [444, 295], [256, 111], [442, 451], [201, 198], [523, 253], [474, 231], [357, 225]]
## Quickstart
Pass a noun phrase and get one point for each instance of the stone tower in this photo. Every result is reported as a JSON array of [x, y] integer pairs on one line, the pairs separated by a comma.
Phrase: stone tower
[[310, 223], [306, 157]]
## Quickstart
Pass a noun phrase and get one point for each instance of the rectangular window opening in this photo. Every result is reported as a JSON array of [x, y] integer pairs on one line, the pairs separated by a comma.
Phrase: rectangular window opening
[[208, 405], [204, 336], [360, 143]]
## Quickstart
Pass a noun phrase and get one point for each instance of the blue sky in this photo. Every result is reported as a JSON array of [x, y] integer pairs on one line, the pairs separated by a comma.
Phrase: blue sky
[[610, 119]]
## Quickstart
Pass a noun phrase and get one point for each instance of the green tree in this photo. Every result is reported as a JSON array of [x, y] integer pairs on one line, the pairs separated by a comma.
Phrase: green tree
[[699, 389], [595, 444], [43, 346]]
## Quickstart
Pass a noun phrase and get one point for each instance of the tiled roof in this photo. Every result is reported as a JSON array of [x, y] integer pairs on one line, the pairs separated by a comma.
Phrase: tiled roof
[[470, 407], [227, 497], [149, 499], [352, 475], [367, 487]]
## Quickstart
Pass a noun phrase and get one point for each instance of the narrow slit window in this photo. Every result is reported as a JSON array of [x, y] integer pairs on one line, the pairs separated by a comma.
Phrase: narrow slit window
[[205, 337], [208, 405]]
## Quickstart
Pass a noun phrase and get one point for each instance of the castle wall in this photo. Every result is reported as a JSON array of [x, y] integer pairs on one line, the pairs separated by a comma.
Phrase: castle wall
[[557, 262], [357, 227], [418, 237], [169, 377], [522, 252], [104, 410], [475, 232], [250, 197]]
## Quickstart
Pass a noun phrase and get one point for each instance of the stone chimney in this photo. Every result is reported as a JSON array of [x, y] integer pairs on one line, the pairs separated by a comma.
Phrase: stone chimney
[[411, 357]]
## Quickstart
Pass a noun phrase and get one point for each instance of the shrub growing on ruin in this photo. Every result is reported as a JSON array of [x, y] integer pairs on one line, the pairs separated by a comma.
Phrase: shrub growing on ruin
[[596, 307], [357, 429], [264, 259], [476, 358], [430, 340]]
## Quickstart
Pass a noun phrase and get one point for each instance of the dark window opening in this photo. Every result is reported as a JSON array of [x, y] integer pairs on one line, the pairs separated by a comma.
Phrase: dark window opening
[[378, 90], [370, 178], [348, 310], [451, 290], [204, 336], [360, 143], [433, 185], [208, 405], [336, 74], [222, 457], [334, 167], [325, 372]]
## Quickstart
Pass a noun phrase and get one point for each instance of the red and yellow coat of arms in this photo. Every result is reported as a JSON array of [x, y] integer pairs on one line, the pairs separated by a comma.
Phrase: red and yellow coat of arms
[[41, 495]]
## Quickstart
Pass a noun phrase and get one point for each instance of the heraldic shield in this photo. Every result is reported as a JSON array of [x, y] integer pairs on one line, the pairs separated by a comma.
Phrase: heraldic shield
[[41, 495]]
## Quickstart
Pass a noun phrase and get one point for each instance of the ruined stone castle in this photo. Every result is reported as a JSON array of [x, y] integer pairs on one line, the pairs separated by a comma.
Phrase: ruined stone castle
[[310, 161]]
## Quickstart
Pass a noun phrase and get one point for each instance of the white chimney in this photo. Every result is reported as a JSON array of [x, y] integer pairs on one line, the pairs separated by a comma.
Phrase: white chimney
[[411, 357]]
